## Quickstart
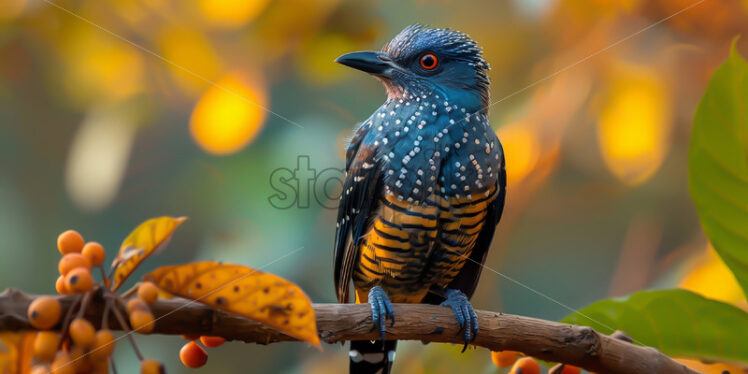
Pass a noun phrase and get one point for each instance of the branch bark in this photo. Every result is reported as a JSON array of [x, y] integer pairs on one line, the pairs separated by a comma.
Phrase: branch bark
[[547, 340]]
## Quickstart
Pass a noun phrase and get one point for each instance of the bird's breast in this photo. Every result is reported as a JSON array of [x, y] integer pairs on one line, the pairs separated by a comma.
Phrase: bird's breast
[[428, 146]]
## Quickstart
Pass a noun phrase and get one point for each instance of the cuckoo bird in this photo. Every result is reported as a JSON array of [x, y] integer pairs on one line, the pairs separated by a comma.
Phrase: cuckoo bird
[[424, 188]]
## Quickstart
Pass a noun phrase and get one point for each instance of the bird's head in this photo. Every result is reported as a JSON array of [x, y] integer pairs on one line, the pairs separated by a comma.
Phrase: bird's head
[[422, 60]]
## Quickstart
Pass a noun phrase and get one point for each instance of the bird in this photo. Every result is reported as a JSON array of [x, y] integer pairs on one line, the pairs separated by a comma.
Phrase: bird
[[424, 186]]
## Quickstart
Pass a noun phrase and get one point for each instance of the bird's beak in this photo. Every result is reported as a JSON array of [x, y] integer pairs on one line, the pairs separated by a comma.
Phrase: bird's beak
[[376, 63]]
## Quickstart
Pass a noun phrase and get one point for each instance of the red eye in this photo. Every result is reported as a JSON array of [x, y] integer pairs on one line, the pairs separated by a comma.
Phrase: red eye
[[429, 61]]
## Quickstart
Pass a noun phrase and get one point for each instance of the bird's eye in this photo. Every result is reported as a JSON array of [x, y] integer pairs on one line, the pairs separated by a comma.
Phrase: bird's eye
[[429, 61]]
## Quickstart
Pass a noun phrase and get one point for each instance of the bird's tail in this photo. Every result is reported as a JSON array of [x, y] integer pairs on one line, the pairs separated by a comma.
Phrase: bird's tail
[[370, 357]]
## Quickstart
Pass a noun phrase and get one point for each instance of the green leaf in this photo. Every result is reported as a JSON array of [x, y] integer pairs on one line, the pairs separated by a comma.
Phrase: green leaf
[[718, 164], [679, 323]]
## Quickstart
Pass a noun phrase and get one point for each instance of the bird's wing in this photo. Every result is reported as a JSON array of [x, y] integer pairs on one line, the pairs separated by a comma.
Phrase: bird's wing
[[357, 202], [467, 279]]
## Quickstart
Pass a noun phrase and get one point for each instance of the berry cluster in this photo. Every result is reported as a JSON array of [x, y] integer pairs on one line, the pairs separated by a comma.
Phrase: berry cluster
[[79, 347], [527, 365], [141, 318], [76, 262]]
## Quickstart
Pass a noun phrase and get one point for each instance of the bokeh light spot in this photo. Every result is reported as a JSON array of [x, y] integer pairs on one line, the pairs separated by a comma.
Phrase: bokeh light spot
[[191, 50], [231, 13], [634, 126], [99, 69], [713, 279], [229, 115], [98, 157], [315, 60], [10, 9], [522, 150]]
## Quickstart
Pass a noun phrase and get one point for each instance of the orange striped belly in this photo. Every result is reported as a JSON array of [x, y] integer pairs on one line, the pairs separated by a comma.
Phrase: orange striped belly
[[410, 247]]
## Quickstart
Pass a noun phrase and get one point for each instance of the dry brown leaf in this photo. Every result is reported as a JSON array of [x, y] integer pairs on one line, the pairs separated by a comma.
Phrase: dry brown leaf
[[251, 293]]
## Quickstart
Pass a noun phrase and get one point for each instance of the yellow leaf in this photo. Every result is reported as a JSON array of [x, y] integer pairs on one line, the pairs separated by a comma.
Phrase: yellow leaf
[[16, 351], [151, 236], [251, 293], [712, 368]]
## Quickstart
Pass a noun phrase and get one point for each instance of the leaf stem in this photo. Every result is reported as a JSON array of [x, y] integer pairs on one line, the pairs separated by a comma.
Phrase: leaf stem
[[84, 304], [111, 274], [131, 291], [114, 367], [104, 279], [68, 317], [105, 317], [123, 324]]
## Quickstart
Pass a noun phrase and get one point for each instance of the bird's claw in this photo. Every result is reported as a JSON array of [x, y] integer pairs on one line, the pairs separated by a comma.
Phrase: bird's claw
[[381, 309], [465, 314]]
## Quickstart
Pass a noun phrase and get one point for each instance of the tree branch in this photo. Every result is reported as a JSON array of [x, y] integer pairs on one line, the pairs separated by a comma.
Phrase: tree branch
[[551, 341]]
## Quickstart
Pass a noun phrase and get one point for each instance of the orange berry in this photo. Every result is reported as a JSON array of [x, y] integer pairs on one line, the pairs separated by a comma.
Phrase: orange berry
[[134, 304], [82, 332], [80, 360], [69, 242], [148, 292], [66, 344], [190, 336], [79, 280], [212, 341], [525, 365], [40, 369], [71, 261], [62, 364], [103, 345], [99, 367], [44, 312], [46, 345], [142, 321], [504, 359], [60, 285], [565, 369], [151, 367], [94, 252], [192, 355]]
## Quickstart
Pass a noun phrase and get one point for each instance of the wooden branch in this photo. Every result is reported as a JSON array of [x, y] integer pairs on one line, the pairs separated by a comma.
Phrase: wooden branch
[[551, 341]]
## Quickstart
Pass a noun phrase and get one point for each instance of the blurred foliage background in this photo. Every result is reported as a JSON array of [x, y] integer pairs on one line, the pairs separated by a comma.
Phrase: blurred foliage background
[[115, 111]]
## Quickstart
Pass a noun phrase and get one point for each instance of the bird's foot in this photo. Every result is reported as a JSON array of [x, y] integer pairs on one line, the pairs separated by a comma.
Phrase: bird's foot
[[464, 312], [381, 309]]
